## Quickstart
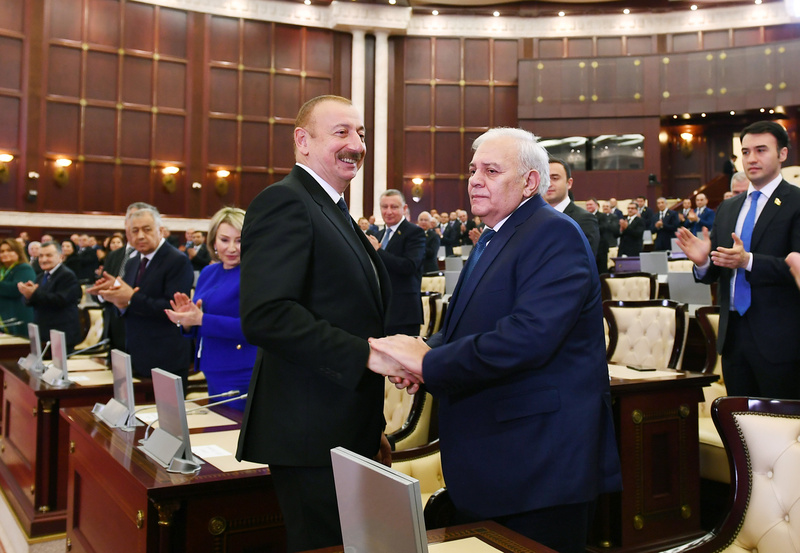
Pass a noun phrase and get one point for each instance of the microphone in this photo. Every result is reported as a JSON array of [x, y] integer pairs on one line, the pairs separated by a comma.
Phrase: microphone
[[97, 345], [34, 365], [223, 394], [11, 322], [201, 408]]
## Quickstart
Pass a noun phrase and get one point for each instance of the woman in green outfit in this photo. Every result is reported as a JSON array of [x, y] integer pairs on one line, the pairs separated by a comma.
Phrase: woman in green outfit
[[14, 268]]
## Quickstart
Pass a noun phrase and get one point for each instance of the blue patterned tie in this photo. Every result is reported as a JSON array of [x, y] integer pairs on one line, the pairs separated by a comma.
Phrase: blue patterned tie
[[343, 206], [387, 233], [741, 290], [477, 251]]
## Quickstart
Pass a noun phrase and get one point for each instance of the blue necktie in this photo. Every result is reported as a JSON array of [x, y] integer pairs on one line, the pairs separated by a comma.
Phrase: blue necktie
[[386, 235], [45, 276], [343, 206], [477, 251], [741, 289]]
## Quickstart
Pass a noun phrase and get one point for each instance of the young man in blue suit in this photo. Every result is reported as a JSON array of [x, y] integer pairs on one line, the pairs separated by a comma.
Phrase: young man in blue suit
[[702, 217], [519, 367], [753, 233]]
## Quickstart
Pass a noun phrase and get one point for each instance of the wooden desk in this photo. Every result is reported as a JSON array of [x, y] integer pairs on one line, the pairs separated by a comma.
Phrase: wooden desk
[[13, 347], [119, 500], [656, 427], [33, 445], [499, 537]]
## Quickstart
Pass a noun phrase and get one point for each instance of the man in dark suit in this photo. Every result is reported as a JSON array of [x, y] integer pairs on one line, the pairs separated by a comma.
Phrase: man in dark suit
[[466, 226], [752, 233], [313, 289], [729, 166], [647, 215], [702, 217], [54, 296], [401, 247], [631, 230], [451, 236], [430, 262], [615, 211], [519, 367], [558, 198], [87, 258], [199, 252], [33, 256], [608, 226], [665, 224], [151, 280]]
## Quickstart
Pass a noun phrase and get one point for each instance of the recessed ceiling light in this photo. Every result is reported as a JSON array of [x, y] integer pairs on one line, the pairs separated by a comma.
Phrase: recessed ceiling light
[[561, 14], [694, 7], [626, 11], [702, 115], [772, 111], [307, 2], [393, 2], [758, 2], [733, 112], [762, 110], [496, 14], [674, 116], [435, 12]]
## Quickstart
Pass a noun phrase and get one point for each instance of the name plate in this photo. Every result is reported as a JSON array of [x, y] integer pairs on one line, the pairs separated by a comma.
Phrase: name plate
[[53, 377]]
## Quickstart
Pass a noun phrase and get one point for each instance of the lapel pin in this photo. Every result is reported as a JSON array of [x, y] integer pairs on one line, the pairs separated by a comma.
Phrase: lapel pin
[[777, 201]]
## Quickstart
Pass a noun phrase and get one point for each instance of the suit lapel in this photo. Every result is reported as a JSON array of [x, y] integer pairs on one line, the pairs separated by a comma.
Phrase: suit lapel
[[767, 214], [356, 241]]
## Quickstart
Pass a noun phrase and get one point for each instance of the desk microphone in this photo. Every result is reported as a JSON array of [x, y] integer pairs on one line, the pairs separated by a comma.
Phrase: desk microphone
[[90, 348], [223, 394], [201, 408], [8, 323]]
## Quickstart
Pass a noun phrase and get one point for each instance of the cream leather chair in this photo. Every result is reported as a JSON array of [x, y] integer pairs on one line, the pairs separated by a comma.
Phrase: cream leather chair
[[433, 283], [424, 464], [613, 252], [628, 286], [677, 265], [713, 459], [432, 306], [646, 333], [761, 440], [408, 417]]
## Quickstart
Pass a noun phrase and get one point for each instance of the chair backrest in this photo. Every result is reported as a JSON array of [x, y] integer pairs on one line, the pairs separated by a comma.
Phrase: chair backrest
[[647, 334], [423, 463], [708, 319], [761, 440], [430, 311], [613, 251], [434, 283], [680, 265], [408, 417], [628, 286], [653, 262], [95, 333], [396, 407]]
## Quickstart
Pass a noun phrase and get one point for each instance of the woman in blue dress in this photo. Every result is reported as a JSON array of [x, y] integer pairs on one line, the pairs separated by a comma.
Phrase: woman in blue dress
[[223, 354]]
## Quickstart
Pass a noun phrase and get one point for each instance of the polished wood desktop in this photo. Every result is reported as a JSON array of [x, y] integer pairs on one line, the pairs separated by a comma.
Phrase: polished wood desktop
[[33, 444], [13, 347], [120, 500], [657, 437], [492, 533]]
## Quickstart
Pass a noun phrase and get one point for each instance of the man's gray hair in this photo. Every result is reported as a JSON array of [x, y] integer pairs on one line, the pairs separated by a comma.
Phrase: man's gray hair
[[739, 176], [53, 243], [144, 211], [531, 155], [136, 206], [394, 192]]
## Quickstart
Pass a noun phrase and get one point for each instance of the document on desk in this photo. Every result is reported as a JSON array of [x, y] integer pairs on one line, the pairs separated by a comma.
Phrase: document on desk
[[219, 449], [11, 340], [196, 416], [94, 378], [83, 365], [621, 371], [464, 545]]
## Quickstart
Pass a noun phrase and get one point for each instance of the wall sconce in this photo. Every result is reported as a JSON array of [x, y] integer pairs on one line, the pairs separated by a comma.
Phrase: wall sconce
[[168, 179], [4, 172], [686, 144], [221, 184], [416, 188], [196, 185], [61, 173]]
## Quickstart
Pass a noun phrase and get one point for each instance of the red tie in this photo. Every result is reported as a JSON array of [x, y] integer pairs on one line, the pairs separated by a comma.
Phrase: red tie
[[140, 273]]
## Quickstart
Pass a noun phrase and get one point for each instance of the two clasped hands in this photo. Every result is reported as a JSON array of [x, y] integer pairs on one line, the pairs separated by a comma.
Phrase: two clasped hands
[[398, 357]]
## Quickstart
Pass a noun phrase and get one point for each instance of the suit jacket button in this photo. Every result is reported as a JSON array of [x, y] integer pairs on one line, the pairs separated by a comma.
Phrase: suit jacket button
[[238, 346]]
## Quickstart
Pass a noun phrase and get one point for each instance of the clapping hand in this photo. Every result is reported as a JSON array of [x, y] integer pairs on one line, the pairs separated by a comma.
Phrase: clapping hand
[[184, 312]]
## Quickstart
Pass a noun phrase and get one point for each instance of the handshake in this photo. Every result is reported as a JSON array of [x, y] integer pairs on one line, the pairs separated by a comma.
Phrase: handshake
[[398, 357]]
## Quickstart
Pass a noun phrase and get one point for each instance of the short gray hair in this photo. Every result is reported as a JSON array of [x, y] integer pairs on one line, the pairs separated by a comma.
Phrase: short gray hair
[[53, 243], [531, 154], [394, 192], [143, 211], [739, 176]]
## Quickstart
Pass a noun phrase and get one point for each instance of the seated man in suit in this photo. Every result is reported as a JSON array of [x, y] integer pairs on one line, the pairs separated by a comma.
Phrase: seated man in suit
[[665, 223], [151, 280], [54, 296], [558, 197], [702, 217], [519, 368], [430, 263], [401, 247], [608, 225], [631, 230]]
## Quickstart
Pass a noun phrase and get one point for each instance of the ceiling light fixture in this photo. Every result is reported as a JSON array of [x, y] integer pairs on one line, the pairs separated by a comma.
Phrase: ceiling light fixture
[[694, 7], [561, 14], [496, 14], [626, 11]]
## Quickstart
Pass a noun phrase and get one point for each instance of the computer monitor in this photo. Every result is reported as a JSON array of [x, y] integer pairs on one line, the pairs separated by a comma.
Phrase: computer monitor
[[684, 289], [654, 263], [119, 410], [380, 509]]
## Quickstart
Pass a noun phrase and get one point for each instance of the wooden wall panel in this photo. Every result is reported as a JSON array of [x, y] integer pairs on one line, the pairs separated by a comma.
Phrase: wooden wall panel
[[142, 18], [12, 13], [137, 80], [255, 144], [223, 86], [10, 108], [609, 46], [61, 131], [504, 112], [10, 63], [317, 87], [135, 131], [417, 59], [319, 54], [713, 40], [448, 62], [103, 22], [255, 93], [173, 32], [417, 158], [64, 71], [639, 45], [252, 184], [257, 45], [685, 42], [99, 67], [134, 186], [418, 105], [446, 161], [62, 196], [98, 187], [474, 98], [224, 40], [65, 19], [170, 138], [169, 202], [448, 106], [580, 47], [221, 142], [289, 55], [747, 37], [171, 85], [282, 155], [477, 54], [551, 48], [504, 61], [288, 95], [103, 138]]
